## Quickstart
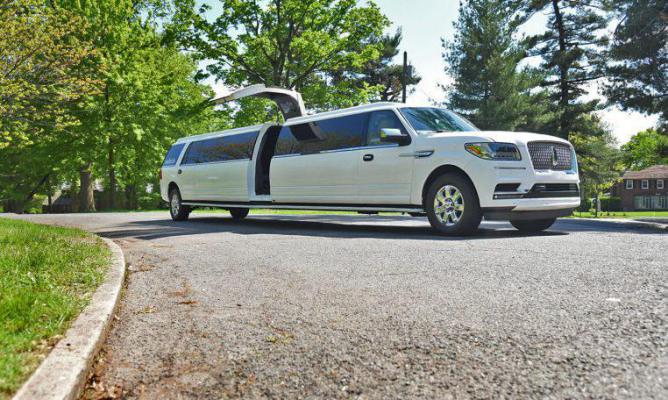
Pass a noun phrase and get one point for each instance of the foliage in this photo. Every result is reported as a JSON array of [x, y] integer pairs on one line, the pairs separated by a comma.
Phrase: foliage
[[483, 60], [46, 277], [287, 43], [149, 98], [599, 160], [638, 67], [44, 72], [381, 73], [645, 149], [572, 54]]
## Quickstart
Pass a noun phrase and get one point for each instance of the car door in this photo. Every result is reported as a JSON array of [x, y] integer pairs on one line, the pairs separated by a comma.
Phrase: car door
[[385, 168], [316, 162]]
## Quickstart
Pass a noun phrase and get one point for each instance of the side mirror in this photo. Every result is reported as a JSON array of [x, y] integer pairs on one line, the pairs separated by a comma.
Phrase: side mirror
[[393, 135]]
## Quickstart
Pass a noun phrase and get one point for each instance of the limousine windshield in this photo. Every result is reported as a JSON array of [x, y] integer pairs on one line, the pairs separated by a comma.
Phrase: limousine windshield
[[426, 120]]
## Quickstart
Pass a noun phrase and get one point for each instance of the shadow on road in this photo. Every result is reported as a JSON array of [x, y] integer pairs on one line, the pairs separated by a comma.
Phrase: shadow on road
[[333, 226]]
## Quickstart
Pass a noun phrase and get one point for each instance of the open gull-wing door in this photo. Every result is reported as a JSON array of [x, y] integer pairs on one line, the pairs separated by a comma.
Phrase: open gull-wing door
[[289, 102]]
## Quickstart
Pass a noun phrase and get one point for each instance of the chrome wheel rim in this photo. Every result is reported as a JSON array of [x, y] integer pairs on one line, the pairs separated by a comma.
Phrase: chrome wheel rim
[[449, 205], [175, 206]]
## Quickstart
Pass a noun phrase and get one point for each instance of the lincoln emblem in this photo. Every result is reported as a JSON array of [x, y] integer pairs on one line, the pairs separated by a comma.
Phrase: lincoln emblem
[[555, 157]]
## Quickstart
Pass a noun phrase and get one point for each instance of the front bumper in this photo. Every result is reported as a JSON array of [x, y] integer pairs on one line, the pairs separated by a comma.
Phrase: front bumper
[[517, 184]]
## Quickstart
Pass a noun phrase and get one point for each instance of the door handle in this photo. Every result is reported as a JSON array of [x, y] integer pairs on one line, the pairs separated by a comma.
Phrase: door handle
[[179, 172], [368, 157]]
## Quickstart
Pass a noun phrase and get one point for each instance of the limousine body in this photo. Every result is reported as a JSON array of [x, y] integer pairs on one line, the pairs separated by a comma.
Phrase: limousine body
[[377, 158]]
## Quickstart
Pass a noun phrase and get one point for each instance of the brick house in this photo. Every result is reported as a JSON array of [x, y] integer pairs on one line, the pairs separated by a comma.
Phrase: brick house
[[644, 190]]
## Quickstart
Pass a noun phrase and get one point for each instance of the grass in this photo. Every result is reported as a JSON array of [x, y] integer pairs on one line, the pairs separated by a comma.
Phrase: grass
[[47, 275], [621, 214]]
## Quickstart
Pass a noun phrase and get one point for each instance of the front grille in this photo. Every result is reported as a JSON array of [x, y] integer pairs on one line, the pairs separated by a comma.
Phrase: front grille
[[550, 155]]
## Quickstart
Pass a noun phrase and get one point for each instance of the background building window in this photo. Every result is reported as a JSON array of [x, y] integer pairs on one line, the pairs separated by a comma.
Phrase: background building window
[[644, 184], [659, 184], [629, 183]]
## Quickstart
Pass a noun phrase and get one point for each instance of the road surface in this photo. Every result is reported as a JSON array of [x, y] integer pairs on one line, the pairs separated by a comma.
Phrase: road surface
[[378, 307]]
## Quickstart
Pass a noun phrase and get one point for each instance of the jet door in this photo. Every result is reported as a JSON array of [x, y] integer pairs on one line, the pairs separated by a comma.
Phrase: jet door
[[288, 101]]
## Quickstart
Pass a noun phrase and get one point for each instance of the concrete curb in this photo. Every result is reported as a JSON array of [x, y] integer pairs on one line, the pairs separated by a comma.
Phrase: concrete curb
[[630, 223], [63, 373]]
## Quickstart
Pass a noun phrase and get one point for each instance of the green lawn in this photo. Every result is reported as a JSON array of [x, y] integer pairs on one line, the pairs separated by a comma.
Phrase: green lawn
[[47, 275], [621, 214]]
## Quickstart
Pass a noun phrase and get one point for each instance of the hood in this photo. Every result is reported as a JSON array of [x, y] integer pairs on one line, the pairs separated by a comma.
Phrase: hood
[[503, 136]]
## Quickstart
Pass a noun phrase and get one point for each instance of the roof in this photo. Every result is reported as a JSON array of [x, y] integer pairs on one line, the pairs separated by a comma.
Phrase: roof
[[226, 132], [653, 172], [383, 105]]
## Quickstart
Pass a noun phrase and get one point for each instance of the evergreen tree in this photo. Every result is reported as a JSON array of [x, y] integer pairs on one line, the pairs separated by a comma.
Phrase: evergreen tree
[[638, 66], [572, 53], [483, 59], [382, 73]]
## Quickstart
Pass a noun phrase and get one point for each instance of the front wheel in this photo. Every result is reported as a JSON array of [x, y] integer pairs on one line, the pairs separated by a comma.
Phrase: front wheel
[[177, 210], [452, 205], [238, 213], [535, 225]]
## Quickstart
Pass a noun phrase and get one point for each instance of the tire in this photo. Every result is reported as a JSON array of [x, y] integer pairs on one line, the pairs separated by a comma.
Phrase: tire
[[238, 213], [455, 196], [178, 211], [533, 225]]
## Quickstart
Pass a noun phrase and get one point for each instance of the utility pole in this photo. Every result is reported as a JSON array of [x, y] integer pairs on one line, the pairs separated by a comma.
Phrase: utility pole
[[404, 78]]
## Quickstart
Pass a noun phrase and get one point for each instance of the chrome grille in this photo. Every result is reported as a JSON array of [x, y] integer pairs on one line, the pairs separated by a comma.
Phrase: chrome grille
[[550, 155]]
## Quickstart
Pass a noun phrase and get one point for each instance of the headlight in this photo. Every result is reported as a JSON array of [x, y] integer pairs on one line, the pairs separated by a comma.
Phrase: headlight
[[494, 151]]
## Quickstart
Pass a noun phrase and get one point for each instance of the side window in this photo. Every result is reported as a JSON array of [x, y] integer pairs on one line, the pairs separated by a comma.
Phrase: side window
[[173, 155], [336, 133], [629, 184], [225, 148], [378, 121]]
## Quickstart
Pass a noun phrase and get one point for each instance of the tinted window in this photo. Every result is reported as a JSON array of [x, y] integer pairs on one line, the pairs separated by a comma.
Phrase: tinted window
[[324, 135], [380, 120], [225, 148], [430, 119], [173, 155]]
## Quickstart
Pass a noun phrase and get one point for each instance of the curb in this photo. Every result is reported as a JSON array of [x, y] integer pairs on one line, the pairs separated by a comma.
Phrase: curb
[[629, 223], [63, 372]]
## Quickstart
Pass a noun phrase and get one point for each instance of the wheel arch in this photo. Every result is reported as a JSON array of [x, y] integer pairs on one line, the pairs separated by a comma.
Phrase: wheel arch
[[444, 169], [172, 185]]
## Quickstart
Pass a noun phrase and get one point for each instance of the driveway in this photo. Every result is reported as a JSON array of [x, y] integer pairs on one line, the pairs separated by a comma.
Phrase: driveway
[[378, 307]]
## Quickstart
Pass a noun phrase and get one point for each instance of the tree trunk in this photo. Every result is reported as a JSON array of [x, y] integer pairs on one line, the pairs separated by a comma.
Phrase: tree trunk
[[86, 197], [563, 72], [131, 196], [112, 176]]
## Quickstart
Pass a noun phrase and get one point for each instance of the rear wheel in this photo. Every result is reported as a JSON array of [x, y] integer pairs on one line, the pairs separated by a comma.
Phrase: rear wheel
[[177, 210], [238, 213], [452, 205], [535, 225]]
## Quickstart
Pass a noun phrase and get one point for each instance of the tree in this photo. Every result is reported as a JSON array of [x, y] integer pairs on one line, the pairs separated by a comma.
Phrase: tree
[[293, 44], [483, 60], [645, 149], [43, 73], [149, 97], [572, 53], [599, 160], [638, 68], [382, 73]]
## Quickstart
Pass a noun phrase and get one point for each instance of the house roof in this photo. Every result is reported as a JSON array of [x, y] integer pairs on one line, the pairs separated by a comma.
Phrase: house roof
[[653, 172]]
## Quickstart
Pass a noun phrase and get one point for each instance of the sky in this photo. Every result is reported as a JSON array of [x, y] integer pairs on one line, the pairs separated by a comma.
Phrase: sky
[[425, 22]]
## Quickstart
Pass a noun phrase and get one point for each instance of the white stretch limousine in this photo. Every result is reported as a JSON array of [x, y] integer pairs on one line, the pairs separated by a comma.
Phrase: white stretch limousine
[[374, 158]]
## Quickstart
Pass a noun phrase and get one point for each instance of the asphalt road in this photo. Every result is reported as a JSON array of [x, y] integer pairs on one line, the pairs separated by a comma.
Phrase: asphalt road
[[379, 307]]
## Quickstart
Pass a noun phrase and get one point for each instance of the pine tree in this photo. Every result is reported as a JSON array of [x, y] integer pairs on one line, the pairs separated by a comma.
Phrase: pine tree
[[572, 53], [638, 67], [483, 60], [382, 73]]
